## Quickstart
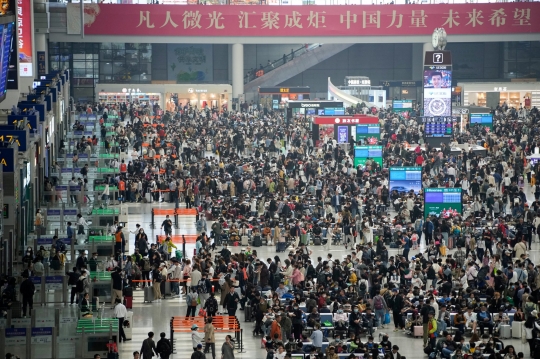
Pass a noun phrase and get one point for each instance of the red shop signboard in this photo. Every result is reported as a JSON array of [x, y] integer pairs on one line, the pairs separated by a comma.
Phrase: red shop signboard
[[345, 120], [308, 20]]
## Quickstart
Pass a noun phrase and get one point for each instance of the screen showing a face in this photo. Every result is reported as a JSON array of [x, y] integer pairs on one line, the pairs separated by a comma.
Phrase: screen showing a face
[[437, 93], [406, 179], [443, 202]]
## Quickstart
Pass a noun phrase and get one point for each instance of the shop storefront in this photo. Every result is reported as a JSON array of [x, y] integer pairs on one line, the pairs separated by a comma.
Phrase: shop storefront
[[340, 128], [170, 97], [274, 98], [491, 94]]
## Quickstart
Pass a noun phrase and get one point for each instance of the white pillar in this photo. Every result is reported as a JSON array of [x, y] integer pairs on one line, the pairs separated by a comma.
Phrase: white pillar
[[237, 66], [41, 45]]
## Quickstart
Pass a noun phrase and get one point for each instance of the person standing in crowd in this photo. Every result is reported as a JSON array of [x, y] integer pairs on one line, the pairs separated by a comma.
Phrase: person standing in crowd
[[120, 312], [209, 338], [163, 347], [148, 348], [227, 349]]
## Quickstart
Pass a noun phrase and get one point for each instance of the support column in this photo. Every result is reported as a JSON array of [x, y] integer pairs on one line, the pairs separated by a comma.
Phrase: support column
[[41, 45], [237, 66]]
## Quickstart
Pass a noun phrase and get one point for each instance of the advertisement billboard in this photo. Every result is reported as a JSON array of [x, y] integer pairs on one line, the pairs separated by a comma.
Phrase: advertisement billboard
[[363, 153], [437, 93], [443, 202], [405, 179], [24, 35], [343, 134]]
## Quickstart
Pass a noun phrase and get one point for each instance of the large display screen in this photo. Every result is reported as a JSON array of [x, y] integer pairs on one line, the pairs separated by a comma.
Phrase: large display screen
[[402, 107], [437, 93], [331, 111], [362, 153], [443, 202], [5, 51], [481, 119], [438, 126], [406, 179], [368, 132]]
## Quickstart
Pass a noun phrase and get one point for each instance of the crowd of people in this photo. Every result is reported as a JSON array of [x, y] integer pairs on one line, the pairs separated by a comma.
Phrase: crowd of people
[[262, 179]]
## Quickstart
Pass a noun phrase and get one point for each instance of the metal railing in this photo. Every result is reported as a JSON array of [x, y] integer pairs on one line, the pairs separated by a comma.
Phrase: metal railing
[[272, 65]]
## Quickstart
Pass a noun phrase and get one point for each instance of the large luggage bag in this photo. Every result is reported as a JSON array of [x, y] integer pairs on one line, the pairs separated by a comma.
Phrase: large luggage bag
[[248, 312], [148, 294], [505, 332], [418, 331], [317, 241], [245, 240], [127, 292], [517, 329], [128, 302], [450, 242], [257, 241]]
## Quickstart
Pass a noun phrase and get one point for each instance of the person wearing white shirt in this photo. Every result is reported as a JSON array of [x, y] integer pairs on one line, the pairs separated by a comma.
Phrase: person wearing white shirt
[[120, 312]]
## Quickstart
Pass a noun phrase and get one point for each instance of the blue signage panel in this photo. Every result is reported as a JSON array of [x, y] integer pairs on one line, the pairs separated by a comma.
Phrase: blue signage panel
[[7, 159], [40, 108], [32, 120], [7, 134]]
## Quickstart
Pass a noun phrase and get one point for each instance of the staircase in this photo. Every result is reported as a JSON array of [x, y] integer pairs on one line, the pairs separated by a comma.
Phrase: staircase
[[283, 71]]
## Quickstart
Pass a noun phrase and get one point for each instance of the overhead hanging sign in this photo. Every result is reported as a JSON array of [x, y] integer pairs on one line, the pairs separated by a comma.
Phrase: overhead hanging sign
[[307, 20]]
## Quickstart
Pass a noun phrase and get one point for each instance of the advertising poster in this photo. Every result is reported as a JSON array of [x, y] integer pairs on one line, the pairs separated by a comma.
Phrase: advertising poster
[[363, 153], [443, 202], [343, 134], [190, 63], [405, 179]]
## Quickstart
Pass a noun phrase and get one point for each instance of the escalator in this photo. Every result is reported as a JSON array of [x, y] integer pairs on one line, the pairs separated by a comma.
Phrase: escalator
[[286, 70]]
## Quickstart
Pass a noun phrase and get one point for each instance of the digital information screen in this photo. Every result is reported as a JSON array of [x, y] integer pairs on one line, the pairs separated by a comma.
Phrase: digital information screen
[[438, 126], [481, 119], [371, 132], [7, 33], [437, 92], [405, 179], [331, 111], [402, 107], [362, 153], [442, 202]]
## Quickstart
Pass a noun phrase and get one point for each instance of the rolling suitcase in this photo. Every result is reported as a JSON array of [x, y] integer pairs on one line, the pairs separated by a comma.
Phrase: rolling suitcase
[[517, 329], [128, 302], [248, 312], [450, 242], [317, 241], [168, 288], [245, 240], [505, 332], [418, 331], [148, 294]]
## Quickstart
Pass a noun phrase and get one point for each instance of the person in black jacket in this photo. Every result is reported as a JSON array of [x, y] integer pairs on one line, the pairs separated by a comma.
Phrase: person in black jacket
[[72, 282], [163, 347], [27, 292]]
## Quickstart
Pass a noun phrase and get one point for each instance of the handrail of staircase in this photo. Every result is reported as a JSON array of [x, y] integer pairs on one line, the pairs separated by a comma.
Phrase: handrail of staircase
[[272, 65]]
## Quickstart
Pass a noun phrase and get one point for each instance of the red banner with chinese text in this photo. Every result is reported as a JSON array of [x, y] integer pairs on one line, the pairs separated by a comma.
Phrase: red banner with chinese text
[[310, 20]]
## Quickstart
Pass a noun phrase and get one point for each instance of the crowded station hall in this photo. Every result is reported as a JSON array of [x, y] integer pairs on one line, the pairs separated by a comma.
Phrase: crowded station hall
[[179, 218]]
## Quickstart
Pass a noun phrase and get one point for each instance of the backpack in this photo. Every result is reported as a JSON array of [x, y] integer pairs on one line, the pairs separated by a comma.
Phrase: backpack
[[158, 277], [38, 221], [377, 302], [164, 347], [60, 246], [79, 286], [363, 286], [146, 265]]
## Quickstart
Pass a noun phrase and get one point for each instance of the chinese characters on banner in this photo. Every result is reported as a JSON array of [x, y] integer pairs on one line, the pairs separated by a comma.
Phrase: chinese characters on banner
[[24, 35], [309, 20]]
